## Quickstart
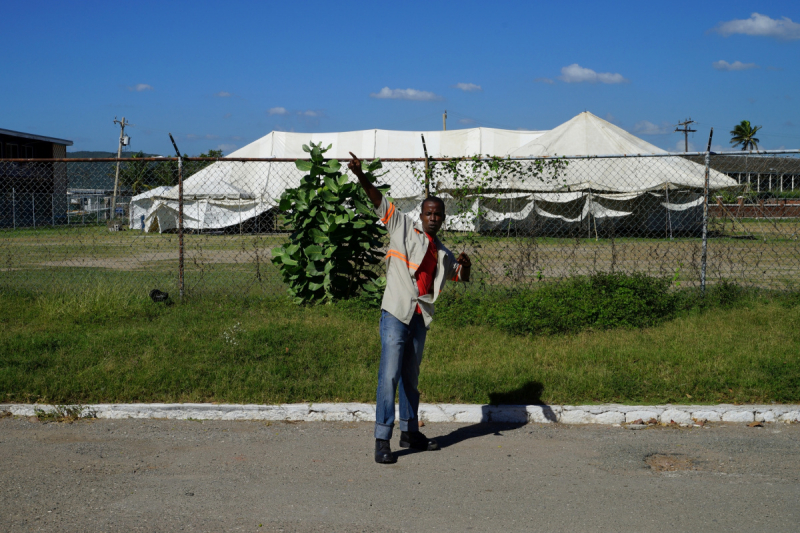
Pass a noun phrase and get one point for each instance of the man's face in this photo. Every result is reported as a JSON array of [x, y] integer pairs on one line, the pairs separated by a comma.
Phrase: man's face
[[432, 217]]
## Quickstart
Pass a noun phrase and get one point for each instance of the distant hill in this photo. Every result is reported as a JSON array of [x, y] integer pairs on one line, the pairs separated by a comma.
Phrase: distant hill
[[88, 154]]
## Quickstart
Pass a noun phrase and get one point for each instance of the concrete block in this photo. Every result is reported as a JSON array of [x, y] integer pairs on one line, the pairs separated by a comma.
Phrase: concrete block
[[738, 416], [644, 414], [576, 416], [765, 416], [706, 414], [296, 411], [609, 417], [431, 412], [465, 413], [507, 413], [542, 414], [677, 415], [791, 416]]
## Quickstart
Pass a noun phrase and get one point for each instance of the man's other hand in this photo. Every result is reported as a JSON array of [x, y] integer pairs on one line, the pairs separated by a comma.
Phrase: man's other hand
[[463, 260]]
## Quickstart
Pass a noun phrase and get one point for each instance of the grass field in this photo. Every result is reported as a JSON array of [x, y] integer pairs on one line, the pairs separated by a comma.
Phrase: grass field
[[106, 346], [751, 252]]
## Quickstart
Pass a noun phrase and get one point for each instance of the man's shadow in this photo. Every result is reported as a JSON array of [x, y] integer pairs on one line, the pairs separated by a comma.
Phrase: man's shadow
[[506, 411]]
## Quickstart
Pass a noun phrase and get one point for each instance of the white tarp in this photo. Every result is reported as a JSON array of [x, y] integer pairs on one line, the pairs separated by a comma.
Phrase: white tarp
[[141, 205], [227, 193], [589, 135]]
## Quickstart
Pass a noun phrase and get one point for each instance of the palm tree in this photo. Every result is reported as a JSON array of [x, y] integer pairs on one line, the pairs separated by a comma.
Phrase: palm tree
[[744, 134]]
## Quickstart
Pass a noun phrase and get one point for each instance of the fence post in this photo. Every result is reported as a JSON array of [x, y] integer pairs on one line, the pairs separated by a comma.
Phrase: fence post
[[427, 168], [33, 208], [180, 227], [53, 209], [704, 259], [14, 206]]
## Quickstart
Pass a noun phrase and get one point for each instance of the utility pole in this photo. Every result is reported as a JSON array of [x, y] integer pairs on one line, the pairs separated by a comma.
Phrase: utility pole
[[123, 140], [444, 121], [686, 131]]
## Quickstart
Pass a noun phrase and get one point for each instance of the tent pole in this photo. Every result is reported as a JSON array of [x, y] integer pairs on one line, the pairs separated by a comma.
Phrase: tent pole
[[669, 214]]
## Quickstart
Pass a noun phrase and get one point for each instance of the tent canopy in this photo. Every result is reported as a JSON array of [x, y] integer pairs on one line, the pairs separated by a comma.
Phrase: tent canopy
[[589, 135], [227, 192]]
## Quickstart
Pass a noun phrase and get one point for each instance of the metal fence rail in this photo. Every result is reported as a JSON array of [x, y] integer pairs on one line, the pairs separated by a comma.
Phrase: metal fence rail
[[61, 227]]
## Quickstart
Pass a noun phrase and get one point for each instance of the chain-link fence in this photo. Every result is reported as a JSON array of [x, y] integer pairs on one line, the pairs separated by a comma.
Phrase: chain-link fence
[[210, 225]]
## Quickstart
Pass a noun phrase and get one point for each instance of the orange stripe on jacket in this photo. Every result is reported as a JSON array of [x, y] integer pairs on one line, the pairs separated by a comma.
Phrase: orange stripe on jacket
[[401, 257], [389, 213]]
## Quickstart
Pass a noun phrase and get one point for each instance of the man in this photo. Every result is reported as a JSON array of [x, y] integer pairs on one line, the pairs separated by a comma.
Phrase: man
[[418, 267]]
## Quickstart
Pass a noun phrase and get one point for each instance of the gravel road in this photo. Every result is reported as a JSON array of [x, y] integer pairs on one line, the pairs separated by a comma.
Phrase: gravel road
[[158, 475]]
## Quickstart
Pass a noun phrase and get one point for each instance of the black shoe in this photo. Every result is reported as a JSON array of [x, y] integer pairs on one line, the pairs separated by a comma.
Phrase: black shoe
[[383, 452], [418, 441]]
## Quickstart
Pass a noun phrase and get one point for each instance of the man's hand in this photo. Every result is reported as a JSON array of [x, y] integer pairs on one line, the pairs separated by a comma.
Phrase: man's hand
[[355, 166], [466, 265], [374, 194]]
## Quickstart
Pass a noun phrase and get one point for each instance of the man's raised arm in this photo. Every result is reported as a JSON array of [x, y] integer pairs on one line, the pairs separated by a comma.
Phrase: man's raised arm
[[374, 194]]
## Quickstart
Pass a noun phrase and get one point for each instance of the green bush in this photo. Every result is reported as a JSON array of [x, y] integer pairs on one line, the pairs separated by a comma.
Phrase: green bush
[[600, 301], [335, 241]]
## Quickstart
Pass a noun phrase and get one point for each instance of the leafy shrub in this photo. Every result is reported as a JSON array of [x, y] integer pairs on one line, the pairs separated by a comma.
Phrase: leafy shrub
[[601, 301], [335, 238]]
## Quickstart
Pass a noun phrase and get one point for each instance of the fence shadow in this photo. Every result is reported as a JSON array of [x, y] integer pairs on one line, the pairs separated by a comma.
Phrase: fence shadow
[[506, 411]]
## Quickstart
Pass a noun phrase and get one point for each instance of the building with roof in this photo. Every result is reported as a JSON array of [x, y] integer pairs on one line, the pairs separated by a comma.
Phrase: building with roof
[[32, 193]]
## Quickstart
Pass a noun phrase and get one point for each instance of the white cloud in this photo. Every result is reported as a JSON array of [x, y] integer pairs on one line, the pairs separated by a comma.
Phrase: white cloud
[[645, 127], [466, 121], [611, 118], [575, 73], [736, 65], [762, 26], [405, 94], [223, 94], [139, 87], [681, 145], [277, 111], [544, 80], [310, 113], [468, 87], [227, 148], [227, 115]]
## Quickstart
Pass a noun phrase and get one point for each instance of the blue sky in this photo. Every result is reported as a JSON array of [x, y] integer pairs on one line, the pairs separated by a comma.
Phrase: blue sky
[[222, 74]]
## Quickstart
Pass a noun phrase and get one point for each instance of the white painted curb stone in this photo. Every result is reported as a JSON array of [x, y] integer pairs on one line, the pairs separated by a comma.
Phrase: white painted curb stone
[[607, 414]]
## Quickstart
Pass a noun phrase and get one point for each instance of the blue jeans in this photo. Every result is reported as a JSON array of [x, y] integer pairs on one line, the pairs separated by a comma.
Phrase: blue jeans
[[401, 355]]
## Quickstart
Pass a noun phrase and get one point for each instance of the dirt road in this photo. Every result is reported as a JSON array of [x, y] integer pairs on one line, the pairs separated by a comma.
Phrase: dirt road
[[154, 475]]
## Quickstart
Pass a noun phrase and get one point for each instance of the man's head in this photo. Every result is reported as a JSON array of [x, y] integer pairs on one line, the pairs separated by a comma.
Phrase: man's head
[[432, 215]]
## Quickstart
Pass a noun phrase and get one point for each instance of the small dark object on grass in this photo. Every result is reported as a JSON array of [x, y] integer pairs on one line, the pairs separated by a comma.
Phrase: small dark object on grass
[[158, 296]]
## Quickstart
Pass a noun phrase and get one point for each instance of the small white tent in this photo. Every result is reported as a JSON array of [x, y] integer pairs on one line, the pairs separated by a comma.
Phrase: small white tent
[[227, 193]]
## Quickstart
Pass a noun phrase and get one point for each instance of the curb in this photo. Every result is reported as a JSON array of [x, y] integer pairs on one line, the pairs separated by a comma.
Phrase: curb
[[431, 413]]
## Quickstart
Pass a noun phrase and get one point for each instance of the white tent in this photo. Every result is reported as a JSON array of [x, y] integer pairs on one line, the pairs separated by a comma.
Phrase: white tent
[[227, 193], [651, 193], [141, 204], [646, 194]]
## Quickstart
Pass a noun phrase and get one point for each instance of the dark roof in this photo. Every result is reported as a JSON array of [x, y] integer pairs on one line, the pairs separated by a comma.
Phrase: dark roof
[[53, 140]]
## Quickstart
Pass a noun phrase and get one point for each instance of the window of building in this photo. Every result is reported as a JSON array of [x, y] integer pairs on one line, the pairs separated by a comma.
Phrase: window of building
[[12, 151], [27, 152]]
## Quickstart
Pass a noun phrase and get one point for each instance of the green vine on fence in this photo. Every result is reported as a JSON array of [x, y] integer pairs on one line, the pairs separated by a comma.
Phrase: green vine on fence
[[467, 179], [335, 240]]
